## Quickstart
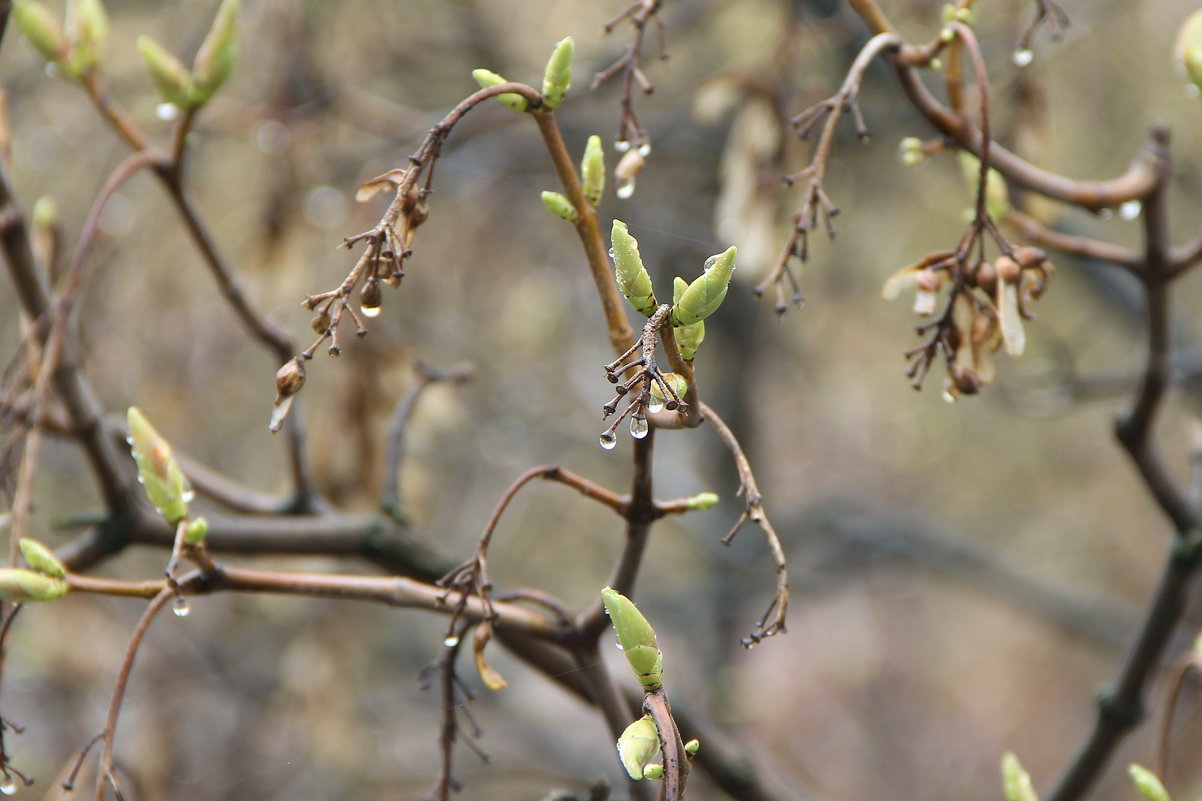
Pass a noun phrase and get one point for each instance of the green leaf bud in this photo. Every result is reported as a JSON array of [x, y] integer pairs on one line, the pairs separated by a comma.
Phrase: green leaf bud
[[702, 501], [1189, 48], [41, 558], [195, 532], [675, 382], [170, 76], [215, 59], [41, 28], [45, 212], [158, 471], [638, 745], [997, 196], [557, 78], [1016, 782], [692, 747], [560, 206], [688, 337], [633, 279], [653, 771], [636, 637], [1148, 783], [87, 30], [18, 585], [703, 297], [592, 170], [487, 78], [910, 151]]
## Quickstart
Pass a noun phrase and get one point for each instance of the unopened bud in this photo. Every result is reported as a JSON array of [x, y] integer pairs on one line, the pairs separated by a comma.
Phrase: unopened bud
[[196, 531], [1189, 48], [702, 501], [654, 771], [42, 30], [18, 585], [487, 78], [557, 78], [634, 282], [638, 745], [87, 29], [1148, 783], [592, 170], [170, 76], [705, 294], [1016, 782], [692, 747], [636, 637], [41, 558], [215, 59], [158, 472], [560, 206]]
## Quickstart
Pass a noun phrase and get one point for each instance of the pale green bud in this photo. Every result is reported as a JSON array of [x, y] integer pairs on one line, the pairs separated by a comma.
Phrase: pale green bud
[[487, 78], [45, 212], [560, 206], [1016, 782], [18, 585], [703, 297], [196, 531], [557, 78], [997, 196], [636, 637], [675, 381], [41, 558], [1148, 783], [688, 337], [692, 747], [41, 28], [653, 771], [702, 501], [87, 30], [1189, 48], [592, 170], [910, 152], [170, 76], [633, 279], [947, 13], [215, 59], [638, 745], [158, 471]]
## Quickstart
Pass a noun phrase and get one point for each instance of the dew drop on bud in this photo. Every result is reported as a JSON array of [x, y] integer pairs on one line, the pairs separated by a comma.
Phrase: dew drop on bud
[[188, 495], [638, 426], [1023, 58], [656, 404], [451, 641], [180, 608], [166, 111], [625, 191], [370, 311], [609, 441], [1130, 210], [7, 785]]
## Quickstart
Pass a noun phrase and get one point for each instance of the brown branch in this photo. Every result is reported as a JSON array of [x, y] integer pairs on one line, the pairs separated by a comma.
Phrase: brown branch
[[1034, 231], [773, 620], [676, 762]]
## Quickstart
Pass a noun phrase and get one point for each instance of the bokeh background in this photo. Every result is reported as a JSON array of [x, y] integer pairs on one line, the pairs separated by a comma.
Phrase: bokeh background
[[966, 577]]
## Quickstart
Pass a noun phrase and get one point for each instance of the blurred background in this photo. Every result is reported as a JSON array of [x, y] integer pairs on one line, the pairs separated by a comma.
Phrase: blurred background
[[966, 577]]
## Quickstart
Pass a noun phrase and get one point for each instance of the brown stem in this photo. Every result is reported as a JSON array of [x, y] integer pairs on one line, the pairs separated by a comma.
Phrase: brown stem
[[1087, 248], [676, 763]]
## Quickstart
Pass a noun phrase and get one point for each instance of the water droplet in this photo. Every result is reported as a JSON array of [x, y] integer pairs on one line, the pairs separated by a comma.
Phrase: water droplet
[[638, 426], [609, 441], [140, 479], [166, 111], [129, 440], [451, 641], [612, 257], [949, 397], [1023, 58], [622, 145], [626, 190], [1105, 214], [1192, 91], [7, 785], [188, 495], [1130, 210], [370, 311], [645, 150], [180, 608], [656, 404], [53, 71], [619, 644]]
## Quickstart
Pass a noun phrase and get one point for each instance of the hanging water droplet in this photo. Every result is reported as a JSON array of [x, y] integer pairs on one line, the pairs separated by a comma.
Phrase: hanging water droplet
[[180, 608], [1023, 58], [949, 397], [656, 404], [451, 641], [188, 495], [622, 145], [1192, 91], [619, 644], [140, 479], [1130, 210], [626, 190], [166, 111], [612, 257], [7, 785], [609, 441], [129, 440], [370, 311], [638, 426], [645, 150]]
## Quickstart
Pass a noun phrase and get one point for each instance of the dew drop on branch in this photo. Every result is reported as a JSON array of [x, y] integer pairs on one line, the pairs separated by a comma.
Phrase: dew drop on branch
[[166, 111], [1130, 210], [1023, 58], [180, 608], [451, 641], [7, 785], [609, 441], [638, 426]]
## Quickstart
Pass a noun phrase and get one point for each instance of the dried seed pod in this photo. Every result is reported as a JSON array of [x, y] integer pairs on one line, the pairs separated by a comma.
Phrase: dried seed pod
[[370, 298], [290, 378], [321, 323], [628, 169]]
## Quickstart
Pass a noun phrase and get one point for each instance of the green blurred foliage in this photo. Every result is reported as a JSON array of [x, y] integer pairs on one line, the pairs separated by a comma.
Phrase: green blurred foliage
[[914, 657]]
